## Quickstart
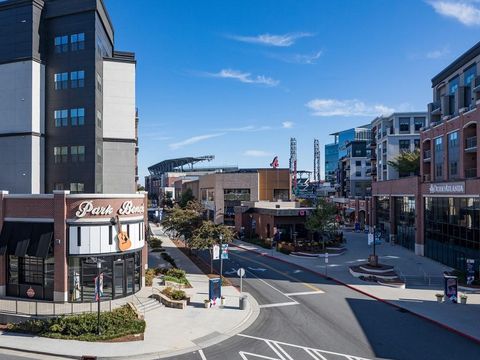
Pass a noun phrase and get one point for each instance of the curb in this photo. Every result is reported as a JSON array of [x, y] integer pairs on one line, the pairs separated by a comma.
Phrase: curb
[[433, 321]]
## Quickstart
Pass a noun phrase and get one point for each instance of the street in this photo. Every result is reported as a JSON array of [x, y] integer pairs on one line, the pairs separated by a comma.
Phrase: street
[[304, 316]]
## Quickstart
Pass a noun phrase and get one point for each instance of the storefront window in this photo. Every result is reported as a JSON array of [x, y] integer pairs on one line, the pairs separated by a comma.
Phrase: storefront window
[[452, 230], [383, 216], [405, 214], [121, 276]]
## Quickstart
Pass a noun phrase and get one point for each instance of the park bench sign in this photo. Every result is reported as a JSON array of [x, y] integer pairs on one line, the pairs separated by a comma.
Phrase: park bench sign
[[127, 208]]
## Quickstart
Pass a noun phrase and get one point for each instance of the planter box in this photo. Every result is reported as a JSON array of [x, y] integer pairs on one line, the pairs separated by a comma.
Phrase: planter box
[[176, 304]]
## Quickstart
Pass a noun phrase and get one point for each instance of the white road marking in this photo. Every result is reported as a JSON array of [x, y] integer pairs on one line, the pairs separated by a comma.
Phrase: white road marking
[[276, 346], [243, 353], [202, 355], [306, 293], [257, 269], [297, 271], [278, 304]]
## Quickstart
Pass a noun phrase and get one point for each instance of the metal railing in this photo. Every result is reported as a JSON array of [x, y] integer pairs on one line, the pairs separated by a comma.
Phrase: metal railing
[[471, 142], [426, 178], [43, 308], [470, 173], [427, 154]]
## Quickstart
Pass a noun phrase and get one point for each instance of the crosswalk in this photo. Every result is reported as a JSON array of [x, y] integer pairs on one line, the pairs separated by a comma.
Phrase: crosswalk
[[285, 351]]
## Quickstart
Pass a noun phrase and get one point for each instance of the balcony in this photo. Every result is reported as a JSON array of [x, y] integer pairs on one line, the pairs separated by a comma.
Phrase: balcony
[[477, 85], [436, 109], [426, 178], [471, 173], [427, 155], [471, 144]]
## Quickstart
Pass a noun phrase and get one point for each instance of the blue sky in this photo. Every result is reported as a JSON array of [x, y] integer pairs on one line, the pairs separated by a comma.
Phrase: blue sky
[[238, 78]]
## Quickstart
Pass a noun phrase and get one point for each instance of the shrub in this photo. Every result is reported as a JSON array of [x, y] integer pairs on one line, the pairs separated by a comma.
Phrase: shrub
[[183, 281], [177, 273], [284, 250], [174, 294], [117, 323], [155, 243], [149, 276]]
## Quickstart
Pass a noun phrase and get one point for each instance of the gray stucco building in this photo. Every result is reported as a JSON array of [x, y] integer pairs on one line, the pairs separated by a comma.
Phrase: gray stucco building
[[67, 100]]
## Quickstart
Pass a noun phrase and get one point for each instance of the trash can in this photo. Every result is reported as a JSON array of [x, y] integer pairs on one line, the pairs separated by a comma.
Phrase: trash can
[[243, 300]]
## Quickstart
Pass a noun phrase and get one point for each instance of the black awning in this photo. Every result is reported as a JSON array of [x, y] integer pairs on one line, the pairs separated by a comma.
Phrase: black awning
[[22, 235], [41, 242], [22, 238], [5, 237]]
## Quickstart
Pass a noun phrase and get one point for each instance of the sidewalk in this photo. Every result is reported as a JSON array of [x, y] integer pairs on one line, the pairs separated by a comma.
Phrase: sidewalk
[[419, 299], [169, 331]]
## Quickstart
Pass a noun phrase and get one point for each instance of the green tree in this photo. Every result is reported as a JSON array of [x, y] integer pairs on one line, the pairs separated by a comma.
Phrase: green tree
[[167, 201], [185, 198], [322, 219], [208, 234], [184, 221], [407, 163]]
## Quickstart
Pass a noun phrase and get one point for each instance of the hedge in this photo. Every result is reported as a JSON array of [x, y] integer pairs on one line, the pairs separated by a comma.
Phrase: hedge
[[115, 324]]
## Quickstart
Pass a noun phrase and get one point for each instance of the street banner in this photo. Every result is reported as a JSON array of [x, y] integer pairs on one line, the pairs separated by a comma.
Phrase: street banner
[[216, 252], [214, 290], [451, 288], [98, 287], [370, 239], [224, 252], [470, 271]]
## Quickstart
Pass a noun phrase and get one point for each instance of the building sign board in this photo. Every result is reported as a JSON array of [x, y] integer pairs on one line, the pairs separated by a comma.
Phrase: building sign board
[[447, 188], [89, 208]]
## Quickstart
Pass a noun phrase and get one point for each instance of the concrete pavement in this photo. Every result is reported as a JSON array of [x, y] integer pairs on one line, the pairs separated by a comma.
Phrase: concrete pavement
[[419, 298], [168, 332]]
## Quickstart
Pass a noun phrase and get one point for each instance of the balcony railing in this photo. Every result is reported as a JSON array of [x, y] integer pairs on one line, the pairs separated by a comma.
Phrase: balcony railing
[[471, 173], [426, 178], [427, 155], [471, 143]]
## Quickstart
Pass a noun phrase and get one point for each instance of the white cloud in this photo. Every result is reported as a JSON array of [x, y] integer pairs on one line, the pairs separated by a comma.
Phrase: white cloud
[[304, 59], [354, 107], [193, 140], [257, 153], [245, 77], [463, 11], [249, 128], [287, 124], [437, 54], [284, 40]]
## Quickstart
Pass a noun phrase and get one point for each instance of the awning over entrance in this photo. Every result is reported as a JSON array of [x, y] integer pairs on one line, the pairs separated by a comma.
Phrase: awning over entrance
[[22, 239]]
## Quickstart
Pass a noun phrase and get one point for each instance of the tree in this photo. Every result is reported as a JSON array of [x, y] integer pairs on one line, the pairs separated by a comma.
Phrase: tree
[[208, 234], [322, 219], [167, 200], [407, 163], [140, 188], [185, 198], [184, 221]]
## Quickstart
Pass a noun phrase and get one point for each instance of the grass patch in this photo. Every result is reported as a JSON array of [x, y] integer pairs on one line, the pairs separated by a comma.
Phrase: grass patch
[[115, 324]]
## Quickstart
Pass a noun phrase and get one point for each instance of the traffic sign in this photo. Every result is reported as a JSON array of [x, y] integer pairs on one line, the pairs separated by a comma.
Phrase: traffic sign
[[241, 272], [224, 251], [216, 252]]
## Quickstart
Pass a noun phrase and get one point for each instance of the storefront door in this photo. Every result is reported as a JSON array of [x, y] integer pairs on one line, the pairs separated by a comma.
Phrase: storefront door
[[118, 279]]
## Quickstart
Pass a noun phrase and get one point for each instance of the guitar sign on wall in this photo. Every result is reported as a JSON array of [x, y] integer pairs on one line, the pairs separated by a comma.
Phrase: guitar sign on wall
[[124, 242]]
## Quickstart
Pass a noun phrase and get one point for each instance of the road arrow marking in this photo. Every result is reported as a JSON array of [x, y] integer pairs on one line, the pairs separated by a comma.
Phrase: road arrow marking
[[278, 304], [256, 269], [231, 272], [306, 293]]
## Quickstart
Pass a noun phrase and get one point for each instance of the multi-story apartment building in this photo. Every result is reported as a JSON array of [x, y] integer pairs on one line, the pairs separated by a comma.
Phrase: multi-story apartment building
[[392, 135], [67, 100], [220, 193], [339, 155], [437, 214], [354, 172]]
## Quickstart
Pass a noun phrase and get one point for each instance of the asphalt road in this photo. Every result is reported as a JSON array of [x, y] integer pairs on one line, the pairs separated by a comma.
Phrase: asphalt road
[[304, 316]]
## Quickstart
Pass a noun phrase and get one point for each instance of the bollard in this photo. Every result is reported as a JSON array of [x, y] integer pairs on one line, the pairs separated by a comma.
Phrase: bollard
[[243, 300]]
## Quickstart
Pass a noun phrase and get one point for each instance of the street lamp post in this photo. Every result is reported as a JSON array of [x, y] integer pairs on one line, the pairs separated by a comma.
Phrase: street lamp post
[[374, 242], [221, 260], [99, 267]]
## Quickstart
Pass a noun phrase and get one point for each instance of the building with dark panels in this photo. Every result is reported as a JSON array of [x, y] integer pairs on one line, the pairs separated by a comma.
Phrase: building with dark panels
[[68, 115], [354, 170], [331, 162]]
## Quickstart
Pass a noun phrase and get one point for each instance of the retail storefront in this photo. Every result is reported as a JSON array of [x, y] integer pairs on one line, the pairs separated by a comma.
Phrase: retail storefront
[[50, 245]]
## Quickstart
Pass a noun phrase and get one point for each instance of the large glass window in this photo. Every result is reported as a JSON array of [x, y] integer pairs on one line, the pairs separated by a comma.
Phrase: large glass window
[[452, 88], [60, 154], [405, 219], [383, 216], [61, 44], [77, 79], [468, 80], [61, 118], [419, 122], [77, 188], [77, 153], [453, 154], [77, 41], [121, 276], [61, 81], [237, 194], [404, 145], [77, 116], [452, 230], [439, 158], [404, 124]]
